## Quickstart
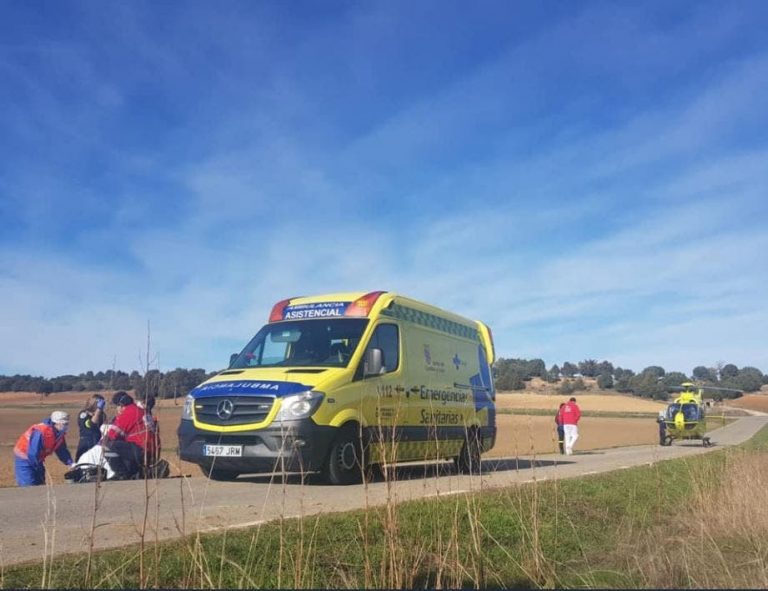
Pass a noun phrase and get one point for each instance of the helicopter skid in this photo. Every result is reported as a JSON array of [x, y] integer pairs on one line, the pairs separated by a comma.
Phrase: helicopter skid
[[705, 441]]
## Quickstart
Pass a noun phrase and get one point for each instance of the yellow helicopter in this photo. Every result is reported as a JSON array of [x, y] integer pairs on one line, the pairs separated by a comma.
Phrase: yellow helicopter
[[686, 417]]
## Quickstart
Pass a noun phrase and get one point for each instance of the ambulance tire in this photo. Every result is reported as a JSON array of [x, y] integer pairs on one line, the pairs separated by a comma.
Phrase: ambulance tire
[[468, 461], [218, 474], [345, 458]]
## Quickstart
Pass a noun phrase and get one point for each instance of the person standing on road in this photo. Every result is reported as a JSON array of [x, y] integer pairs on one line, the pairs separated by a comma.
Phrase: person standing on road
[[36, 444], [128, 438], [89, 422], [662, 427], [569, 415], [560, 429]]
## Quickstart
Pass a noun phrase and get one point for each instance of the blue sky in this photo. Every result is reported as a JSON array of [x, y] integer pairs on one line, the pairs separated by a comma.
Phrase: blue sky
[[590, 179]]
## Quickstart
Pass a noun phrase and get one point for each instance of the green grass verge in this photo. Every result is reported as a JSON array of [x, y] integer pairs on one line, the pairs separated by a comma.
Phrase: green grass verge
[[565, 533]]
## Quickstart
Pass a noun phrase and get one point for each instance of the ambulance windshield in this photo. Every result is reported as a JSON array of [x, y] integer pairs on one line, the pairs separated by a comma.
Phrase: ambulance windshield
[[303, 343]]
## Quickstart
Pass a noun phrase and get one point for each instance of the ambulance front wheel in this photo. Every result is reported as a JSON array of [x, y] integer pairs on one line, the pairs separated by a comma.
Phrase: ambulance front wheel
[[345, 459], [468, 460]]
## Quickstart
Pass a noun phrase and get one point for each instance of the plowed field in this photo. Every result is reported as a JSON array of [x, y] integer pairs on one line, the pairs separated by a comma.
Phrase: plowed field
[[587, 402], [751, 402]]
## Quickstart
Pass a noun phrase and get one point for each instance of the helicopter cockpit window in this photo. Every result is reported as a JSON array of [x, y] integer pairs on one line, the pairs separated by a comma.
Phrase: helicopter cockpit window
[[691, 412], [672, 410]]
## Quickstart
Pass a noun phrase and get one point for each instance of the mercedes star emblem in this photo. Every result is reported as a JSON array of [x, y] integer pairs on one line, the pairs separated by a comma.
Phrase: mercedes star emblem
[[224, 409]]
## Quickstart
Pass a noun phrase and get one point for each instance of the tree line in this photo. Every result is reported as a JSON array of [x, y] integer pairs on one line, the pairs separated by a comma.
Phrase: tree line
[[511, 374], [653, 382], [169, 384]]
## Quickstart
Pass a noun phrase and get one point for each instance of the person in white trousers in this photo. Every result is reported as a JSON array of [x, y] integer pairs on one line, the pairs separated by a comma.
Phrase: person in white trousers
[[569, 416]]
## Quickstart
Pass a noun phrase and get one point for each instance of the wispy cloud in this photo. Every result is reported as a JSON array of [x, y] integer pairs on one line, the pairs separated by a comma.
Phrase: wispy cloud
[[590, 182]]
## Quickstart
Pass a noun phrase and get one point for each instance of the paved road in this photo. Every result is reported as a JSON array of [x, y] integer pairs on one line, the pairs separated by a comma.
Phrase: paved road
[[44, 521]]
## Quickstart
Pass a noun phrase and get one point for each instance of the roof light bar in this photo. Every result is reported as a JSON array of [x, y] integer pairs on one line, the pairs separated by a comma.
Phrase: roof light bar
[[362, 306], [277, 310]]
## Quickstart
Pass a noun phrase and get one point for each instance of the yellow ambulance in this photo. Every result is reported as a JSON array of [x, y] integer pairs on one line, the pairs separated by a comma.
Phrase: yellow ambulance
[[342, 382]]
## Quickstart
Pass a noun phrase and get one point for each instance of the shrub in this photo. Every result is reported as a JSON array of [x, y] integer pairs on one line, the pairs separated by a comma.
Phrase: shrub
[[605, 381]]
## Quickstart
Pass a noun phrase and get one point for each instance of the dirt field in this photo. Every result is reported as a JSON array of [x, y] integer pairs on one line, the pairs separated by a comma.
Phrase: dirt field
[[64, 399], [757, 401], [518, 435], [528, 435], [22, 409], [587, 402]]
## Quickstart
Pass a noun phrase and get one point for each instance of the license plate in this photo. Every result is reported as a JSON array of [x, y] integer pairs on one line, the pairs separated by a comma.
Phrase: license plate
[[223, 451]]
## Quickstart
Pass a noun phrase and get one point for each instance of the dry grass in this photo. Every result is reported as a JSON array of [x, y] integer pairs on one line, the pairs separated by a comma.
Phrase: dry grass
[[719, 538]]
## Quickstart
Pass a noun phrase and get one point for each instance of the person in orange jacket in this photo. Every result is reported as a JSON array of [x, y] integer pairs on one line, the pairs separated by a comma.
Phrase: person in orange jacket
[[36, 444], [569, 416]]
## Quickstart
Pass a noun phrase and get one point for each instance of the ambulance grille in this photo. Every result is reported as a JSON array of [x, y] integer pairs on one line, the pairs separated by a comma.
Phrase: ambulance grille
[[233, 410]]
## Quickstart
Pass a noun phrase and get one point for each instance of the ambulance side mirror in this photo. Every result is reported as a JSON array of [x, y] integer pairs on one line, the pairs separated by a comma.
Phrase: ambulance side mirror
[[233, 358], [373, 362]]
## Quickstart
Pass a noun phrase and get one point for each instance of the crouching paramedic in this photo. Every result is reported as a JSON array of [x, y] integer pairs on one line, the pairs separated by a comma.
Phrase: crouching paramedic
[[132, 443], [36, 444]]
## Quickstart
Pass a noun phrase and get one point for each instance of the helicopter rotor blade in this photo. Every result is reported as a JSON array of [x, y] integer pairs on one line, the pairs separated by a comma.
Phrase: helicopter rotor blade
[[719, 389], [704, 388]]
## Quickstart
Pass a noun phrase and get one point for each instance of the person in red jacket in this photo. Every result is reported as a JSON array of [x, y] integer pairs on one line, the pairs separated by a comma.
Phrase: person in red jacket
[[569, 416], [130, 443], [36, 444]]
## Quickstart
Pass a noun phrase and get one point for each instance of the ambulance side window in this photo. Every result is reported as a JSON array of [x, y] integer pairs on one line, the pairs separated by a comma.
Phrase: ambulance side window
[[387, 338], [389, 343]]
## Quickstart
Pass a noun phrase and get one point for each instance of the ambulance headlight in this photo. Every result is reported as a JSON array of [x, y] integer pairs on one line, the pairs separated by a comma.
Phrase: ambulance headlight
[[300, 406], [186, 412]]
